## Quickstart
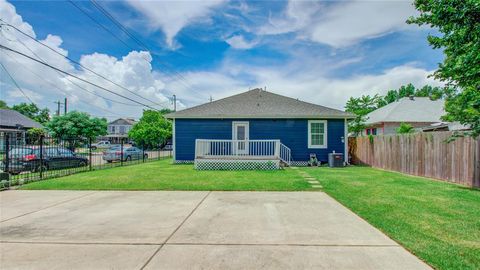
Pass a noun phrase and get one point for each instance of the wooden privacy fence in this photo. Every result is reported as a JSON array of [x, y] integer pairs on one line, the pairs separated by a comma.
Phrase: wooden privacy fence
[[422, 154]]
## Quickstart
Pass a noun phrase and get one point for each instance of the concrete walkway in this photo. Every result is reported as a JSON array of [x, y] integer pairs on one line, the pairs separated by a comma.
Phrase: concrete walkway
[[189, 230]]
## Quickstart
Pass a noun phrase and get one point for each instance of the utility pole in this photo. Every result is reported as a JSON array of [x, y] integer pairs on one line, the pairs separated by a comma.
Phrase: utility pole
[[58, 106], [65, 106], [174, 103]]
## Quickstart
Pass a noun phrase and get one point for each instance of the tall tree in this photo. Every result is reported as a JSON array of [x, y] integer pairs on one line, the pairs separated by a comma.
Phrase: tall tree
[[406, 90], [152, 129], [77, 124], [458, 23], [32, 111], [391, 96], [361, 107]]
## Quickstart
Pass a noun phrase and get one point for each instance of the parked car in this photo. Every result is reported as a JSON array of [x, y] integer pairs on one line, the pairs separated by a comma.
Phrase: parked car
[[129, 153], [102, 145], [53, 157]]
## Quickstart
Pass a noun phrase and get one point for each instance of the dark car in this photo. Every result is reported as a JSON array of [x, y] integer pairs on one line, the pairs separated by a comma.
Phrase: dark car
[[28, 159]]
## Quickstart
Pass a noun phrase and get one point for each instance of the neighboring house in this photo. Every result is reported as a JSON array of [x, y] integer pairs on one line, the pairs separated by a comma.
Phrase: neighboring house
[[15, 125], [257, 126], [446, 126], [416, 111], [118, 130]]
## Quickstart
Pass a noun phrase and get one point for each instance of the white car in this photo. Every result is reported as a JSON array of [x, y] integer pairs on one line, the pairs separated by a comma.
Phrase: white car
[[102, 144]]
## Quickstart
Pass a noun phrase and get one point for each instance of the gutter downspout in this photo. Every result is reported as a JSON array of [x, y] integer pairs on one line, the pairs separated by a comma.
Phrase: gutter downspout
[[346, 141], [174, 141]]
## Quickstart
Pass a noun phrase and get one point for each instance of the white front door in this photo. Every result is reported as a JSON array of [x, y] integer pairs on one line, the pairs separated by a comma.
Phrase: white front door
[[240, 135]]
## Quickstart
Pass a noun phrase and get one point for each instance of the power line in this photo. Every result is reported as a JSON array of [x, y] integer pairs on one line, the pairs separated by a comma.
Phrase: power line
[[105, 12], [16, 84], [79, 64], [74, 76], [117, 23], [99, 24], [58, 88], [72, 82]]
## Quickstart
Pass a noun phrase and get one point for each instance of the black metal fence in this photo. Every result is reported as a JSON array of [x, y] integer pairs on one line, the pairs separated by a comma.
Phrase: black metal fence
[[26, 158]]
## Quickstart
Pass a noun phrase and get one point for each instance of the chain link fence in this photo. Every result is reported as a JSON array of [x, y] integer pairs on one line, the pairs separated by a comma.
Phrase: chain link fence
[[25, 158]]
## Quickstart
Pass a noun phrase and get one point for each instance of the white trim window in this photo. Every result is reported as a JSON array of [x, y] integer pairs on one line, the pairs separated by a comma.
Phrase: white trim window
[[317, 133]]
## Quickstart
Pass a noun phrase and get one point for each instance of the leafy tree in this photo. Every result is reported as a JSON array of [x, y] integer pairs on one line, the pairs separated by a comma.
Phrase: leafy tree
[[152, 130], [433, 92], [36, 132], [406, 91], [34, 135], [391, 96], [465, 108], [32, 111], [3, 104], [458, 23], [77, 124], [361, 107], [405, 128]]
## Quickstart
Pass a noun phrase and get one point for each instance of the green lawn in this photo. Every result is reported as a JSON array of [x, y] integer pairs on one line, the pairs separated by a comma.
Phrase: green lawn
[[162, 175], [438, 222]]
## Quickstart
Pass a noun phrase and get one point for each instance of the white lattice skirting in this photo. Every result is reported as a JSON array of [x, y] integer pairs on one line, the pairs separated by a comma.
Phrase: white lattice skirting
[[299, 163], [236, 165]]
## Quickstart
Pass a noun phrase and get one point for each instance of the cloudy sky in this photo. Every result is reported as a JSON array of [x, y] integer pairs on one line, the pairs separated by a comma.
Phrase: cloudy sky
[[321, 52]]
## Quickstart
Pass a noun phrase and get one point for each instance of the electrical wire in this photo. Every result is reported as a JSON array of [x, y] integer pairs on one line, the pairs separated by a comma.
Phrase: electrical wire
[[58, 88], [79, 64], [16, 84], [74, 76], [105, 12], [71, 81]]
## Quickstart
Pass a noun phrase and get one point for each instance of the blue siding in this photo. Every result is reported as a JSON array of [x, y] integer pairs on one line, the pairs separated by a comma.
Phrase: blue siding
[[291, 132]]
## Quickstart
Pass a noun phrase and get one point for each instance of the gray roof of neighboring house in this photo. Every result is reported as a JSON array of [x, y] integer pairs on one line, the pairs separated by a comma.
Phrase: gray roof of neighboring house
[[418, 109], [123, 121], [11, 118], [258, 103], [451, 126]]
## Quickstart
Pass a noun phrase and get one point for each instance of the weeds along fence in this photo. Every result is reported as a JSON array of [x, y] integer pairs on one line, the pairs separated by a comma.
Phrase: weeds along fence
[[422, 154], [26, 158]]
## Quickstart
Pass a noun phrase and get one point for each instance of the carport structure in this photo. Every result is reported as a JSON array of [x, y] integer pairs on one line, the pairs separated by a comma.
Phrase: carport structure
[[189, 230]]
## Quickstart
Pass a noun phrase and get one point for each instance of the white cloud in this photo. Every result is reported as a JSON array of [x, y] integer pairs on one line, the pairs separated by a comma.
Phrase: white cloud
[[133, 71], [239, 42], [172, 16], [340, 24], [308, 83], [349, 23], [297, 15]]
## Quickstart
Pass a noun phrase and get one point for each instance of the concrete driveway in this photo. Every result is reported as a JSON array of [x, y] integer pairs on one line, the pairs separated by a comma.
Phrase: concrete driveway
[[189, 230]]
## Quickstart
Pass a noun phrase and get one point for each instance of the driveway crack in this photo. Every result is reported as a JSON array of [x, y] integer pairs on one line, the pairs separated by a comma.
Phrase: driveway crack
[[174, 231], [50, 206]]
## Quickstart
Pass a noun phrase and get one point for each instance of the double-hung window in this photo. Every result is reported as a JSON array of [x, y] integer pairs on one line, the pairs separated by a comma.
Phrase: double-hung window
[[317, 134]]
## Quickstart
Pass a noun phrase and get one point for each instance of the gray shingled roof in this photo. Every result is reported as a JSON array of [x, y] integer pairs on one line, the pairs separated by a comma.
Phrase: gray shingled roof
[[123, 121], [258, 103], [11, 118], [420, 109]]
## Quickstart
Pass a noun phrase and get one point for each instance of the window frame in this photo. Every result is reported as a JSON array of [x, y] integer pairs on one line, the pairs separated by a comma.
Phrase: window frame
[[325, 134]]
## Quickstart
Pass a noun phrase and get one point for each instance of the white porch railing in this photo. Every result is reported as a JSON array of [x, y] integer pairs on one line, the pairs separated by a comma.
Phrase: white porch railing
[[242, 149]]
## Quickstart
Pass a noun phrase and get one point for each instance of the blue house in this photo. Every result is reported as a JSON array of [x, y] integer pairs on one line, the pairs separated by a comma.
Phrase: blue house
[[257, 130]]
